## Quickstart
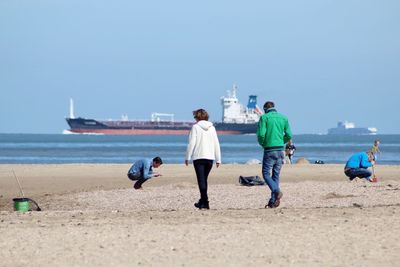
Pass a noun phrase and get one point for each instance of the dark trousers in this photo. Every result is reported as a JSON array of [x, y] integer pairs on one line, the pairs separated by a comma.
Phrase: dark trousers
[[358, 172], [203, 168], [138, 178]]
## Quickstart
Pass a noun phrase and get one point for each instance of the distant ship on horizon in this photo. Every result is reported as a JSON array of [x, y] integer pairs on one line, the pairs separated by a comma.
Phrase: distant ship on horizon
[[236, 119], [349, 128]]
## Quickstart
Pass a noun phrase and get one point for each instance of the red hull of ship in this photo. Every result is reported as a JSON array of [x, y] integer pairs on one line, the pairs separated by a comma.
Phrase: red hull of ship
[[143, 132]]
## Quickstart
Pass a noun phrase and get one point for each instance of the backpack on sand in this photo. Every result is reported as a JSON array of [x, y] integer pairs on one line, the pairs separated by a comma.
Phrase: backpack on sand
[[250, 180]]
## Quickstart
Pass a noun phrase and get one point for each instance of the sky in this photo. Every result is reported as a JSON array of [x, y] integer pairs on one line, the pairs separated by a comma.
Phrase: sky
[[320, 61]]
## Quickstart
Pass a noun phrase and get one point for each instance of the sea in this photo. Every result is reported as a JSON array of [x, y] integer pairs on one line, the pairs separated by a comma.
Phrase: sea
[[63, 148]]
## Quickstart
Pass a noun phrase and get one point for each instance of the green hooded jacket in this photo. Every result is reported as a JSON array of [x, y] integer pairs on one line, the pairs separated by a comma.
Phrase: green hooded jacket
[[273, 130]]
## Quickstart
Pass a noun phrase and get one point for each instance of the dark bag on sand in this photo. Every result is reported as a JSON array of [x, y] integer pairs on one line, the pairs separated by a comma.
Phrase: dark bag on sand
[[250, 180]]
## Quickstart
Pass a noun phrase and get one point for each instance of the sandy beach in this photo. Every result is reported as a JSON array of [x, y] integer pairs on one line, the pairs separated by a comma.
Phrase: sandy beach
[[91, 216]]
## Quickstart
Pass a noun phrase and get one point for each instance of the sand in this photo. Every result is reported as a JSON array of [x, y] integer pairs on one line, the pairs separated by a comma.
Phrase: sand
[[91, 216]]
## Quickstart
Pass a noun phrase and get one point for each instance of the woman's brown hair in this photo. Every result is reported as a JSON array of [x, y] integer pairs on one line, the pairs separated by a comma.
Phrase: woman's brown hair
[[200, 115]]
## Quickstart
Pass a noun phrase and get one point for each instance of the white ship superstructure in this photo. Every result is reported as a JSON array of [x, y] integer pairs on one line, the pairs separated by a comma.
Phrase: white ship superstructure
[[234, 112]]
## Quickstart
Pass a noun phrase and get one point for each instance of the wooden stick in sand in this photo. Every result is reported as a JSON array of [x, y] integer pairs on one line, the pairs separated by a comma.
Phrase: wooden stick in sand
[[19, 184]]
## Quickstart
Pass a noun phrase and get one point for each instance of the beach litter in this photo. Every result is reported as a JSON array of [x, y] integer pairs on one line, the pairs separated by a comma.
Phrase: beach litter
[[22, 204]]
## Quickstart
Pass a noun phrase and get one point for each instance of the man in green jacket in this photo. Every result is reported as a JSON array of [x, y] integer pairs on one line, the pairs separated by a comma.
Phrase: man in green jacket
[[272, 133]]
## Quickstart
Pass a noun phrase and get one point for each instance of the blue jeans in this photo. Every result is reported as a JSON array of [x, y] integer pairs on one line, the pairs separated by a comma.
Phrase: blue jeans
[[358, 172], [138, 177], [272, 160]]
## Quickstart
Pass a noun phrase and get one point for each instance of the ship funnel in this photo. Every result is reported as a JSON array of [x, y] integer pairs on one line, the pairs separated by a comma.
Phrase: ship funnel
[[252, 104], [71, 109]]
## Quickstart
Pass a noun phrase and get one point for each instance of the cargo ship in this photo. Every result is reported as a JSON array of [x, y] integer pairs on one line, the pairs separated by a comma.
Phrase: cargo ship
[[236, 119], [349, 128]]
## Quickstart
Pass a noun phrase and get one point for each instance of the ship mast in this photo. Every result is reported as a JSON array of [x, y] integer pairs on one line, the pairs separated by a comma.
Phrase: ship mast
[[71, 109], [233, 92]]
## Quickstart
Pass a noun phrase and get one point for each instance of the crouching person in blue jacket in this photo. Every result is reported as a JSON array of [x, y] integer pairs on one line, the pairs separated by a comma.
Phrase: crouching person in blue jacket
[[357, 166], [142, 170]]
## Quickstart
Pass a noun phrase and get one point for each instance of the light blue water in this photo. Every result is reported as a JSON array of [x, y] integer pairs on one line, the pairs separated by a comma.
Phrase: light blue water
[[58, 148]]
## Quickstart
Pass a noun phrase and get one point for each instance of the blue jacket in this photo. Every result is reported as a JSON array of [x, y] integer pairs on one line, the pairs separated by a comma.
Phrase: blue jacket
[[144, 167], [358, 160]]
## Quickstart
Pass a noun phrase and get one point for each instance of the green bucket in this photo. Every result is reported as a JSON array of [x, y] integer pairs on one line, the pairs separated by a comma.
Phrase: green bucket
[[21, 204]]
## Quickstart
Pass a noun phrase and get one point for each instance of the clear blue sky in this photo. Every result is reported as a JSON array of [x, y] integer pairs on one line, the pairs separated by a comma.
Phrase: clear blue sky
[[319, 61]]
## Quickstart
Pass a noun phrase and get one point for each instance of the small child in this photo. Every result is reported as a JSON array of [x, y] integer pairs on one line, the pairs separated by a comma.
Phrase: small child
[[375, 148], [289, 151]]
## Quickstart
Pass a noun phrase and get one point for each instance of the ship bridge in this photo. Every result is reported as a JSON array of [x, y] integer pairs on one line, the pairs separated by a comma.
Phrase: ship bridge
[[234, 112]]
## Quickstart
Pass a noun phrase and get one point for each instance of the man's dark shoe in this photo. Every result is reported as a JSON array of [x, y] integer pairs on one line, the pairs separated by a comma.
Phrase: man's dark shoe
[[138, 185], [270, 204], [278, 197], [202, 205]]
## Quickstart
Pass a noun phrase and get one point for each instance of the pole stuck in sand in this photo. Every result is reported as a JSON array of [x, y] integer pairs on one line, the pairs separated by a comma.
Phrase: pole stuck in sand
[[19, 184]]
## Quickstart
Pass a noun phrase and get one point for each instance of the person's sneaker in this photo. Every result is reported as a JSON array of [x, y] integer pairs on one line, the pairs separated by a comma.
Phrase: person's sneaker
[[352, 178], [374, 180]]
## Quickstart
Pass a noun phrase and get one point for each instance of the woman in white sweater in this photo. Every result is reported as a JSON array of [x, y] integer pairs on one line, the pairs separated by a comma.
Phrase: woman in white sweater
[[203, 149]]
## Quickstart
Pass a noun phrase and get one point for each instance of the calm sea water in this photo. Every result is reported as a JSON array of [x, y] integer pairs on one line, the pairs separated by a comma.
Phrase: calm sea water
[[58, 148]]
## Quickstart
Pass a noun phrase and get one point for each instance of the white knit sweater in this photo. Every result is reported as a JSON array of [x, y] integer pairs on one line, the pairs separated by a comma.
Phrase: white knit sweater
[[203, 142]]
